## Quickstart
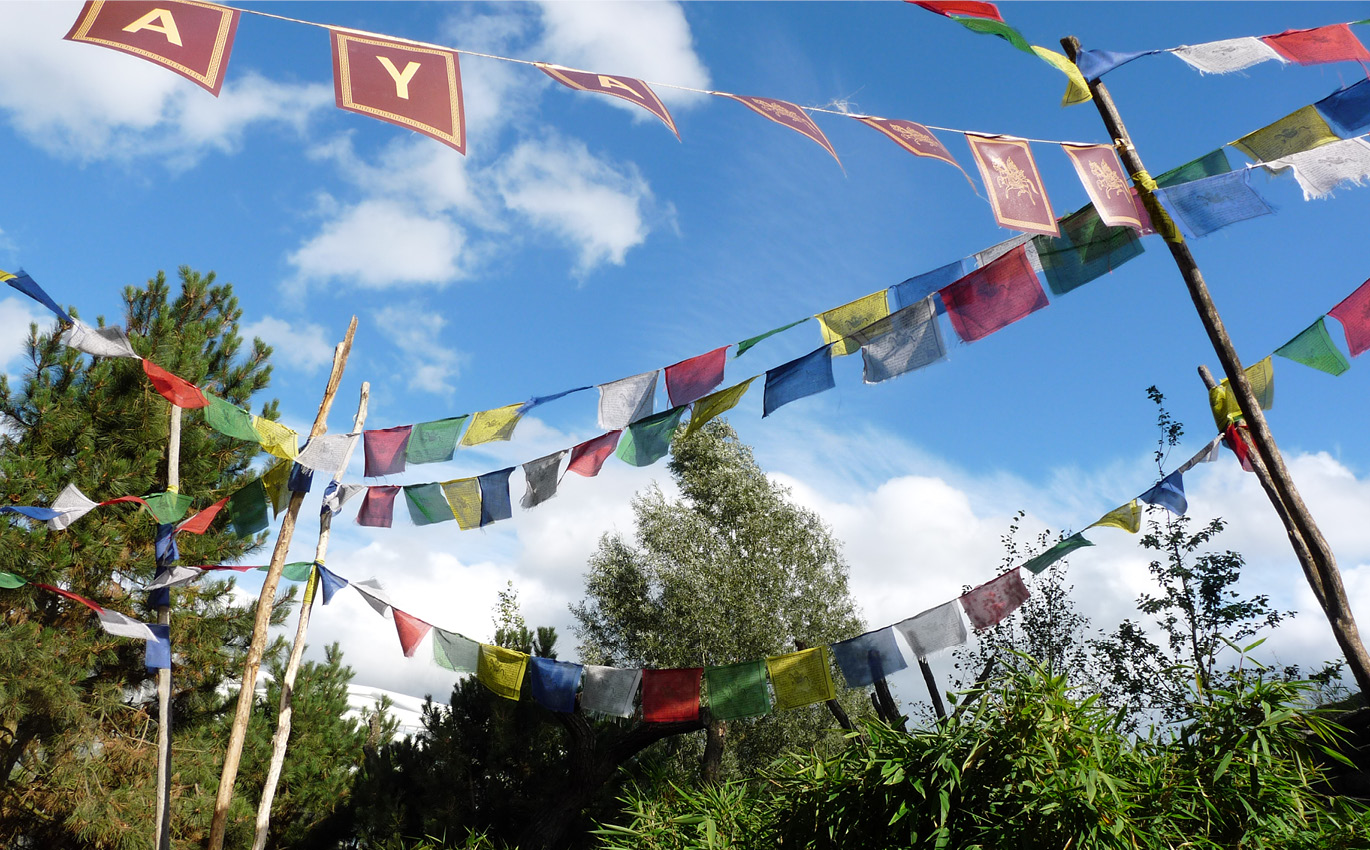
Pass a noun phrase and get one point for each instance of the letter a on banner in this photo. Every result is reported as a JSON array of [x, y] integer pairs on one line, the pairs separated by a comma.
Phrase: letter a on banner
[[406, 84], [631, 90], [1014, 184], [191, 38]]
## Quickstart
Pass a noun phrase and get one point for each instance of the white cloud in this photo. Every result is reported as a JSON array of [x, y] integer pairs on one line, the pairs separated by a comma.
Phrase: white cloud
[[416, 331], [303, 345], [379, 244], [16, 314]]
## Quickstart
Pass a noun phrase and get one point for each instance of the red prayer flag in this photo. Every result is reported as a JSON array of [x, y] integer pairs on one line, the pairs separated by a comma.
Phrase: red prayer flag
[[589, 456], [403, 83], [385, 450], [191, 38], [73, 597], [1354, 314], [786, 114], [1104, 180], [1334, 43], [1233, 437], [994, 600], [994, 297], [690, 380], [949, 8], [378, 508], [631, 90], [671, 696], [174, 388], [1014, 184], [199, 523], [411, 630]]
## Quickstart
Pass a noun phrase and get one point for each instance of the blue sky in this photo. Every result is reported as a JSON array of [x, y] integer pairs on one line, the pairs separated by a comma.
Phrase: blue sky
[[579, 242]]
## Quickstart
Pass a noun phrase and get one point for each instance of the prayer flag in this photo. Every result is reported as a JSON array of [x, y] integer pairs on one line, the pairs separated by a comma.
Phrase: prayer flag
[[167, 508], [1313, 347], [494, 496], [9, 581], [1332, 43], [589, 456], [191, 38], [1168, 493], [1086, 250], [71, 504], [1106, 183], [934, 630], [690, 380], [1128, 517], [276, 438], [610, 690], [1354, 314], [463, 496], [868, 657], [247, 509], [1233, 436], [1209, 165], [276, 481], [627, 88], [804, 376], [915, 289], [785, 114], [501, 670], [737, 690], [649, 440], [1347, 109], [173, 388], [455, 652], [407, 84], [493, 425], [554, 683], [1213, 203], [329, 582], [1056, 553], [1226, 410], [433, 442], [914, 138], [994, 600], [671, 696], [841, 322], [800, 678], [385, 450], [427, 504], [543, 399], [626, 400], [123, 625], [229, 419], [296, 571], [157, 654], [993, 297], [958, 8], [746, 344], [912, 342], [410, 629], [1207, 454], [300, 480], [1230, 54], [336, 495], [541, 478], [174, 576], [1301, 130], [716, 404], [378, 507], [988, 255], [40, 514], [374, 595], [109, 341], [1093, 64], [1321, 170], [327, 453], [1014, 184], [1077, 89], [25, 284]]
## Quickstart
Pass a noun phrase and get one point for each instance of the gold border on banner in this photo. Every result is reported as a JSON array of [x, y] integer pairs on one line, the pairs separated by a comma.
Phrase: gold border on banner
[[216, 59], [1021, 144], [664, 114], [456, 139]]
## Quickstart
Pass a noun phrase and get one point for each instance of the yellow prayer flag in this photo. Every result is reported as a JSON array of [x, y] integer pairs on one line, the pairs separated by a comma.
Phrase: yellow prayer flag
[[1261, 377], [491, 425], [841, 322], [501, 670], [4, 276], [800, 678], [281, 441], [1127, 517], [716, 403], [1077, 90], [1300, 130], [463, 494], [276, 480]]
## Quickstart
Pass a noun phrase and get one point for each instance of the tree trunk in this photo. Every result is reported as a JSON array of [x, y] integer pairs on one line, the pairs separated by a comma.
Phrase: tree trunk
[[711, 766]]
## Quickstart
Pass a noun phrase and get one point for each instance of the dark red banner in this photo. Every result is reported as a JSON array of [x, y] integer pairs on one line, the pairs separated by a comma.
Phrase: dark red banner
[[631, 90], [1102, 174], [1015, 186], [191, 38], [786, 114], [406, 84]]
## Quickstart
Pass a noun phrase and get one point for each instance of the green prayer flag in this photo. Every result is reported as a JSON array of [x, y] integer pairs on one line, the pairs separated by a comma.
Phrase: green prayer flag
[[1208, 165], [648, 440], [167, 508], [277, 484], [737, 690], [434, 442], [988, 26], [1056, 553], [427, 504], [247, 509], [748, 343], [229, 419], [1314, 348], [9, 581], [1086, 249], [294, 571]]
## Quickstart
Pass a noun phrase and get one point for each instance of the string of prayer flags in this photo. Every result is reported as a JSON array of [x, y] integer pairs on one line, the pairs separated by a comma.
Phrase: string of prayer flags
[[914, 138], [108, 341], [1313, 347], [1056, 553], [1106, 183], [1209, 165], [1086, 250], [336, 495], [501, 670], [327, 452], [716, 404], [554, 683], [988, 604], [993, 297], [111, 621], [737, 690], [191, 38], [229, 419], [1213, 203], [691, 380], [1301, 130], [402, 83], [1261, 377], [378, 508], [915, 289], [627, 88], [494, 496], [912, 341], [649, 440], [434, 442], [279, 440], [174, 388], [800, 678], [626, 400], [865, 658], [609, 690], [329, 582], [1016, 192], [1228, 55], [1207, 454], [247, 509], [671, 696], [427, 504], [1128, 517], [588, 457], [746, 344], [934, 630], [410, 629], [799, 378], [1322, 169], [463, 497], [785, 114], [541, 478], [535, 401], [21, 281], [1169, 494], [1347, 109], [455, 652], [71, 504], [384, 449], [1332, 43], [1354, 314], [493, 425], [840, 323]]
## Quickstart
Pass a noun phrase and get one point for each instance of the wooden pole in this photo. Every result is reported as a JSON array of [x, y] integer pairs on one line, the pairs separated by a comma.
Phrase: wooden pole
[[933, 693], [284, 718], [1298, 521], [265, 602], [162, 822]]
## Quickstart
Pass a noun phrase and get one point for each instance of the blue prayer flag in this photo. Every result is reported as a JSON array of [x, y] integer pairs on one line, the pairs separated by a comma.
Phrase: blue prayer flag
[[1347, 109], [25, 284], [554, 683], [157, 652], [1213, 203], [1169, 494], [806, 376], [868, 657], [40, 514], [543, 399], [301, 479], [329, 582], [915, 289], [1095, 63], [494, 496]]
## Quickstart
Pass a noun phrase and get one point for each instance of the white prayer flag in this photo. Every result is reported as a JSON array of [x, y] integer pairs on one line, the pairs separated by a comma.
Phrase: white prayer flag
[[118, 624], [74, 505], [1321, 169], [109, 341], [328, 453], [626, 400], [610, 690], [1232, 54], [1207, 454], [175, 576], [934, 630], [374, 594]]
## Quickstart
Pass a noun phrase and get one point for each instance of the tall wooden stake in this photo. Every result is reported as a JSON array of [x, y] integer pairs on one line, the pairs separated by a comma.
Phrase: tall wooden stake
[[1321, 568], [933, 694], [283, 720], [265, 601], [163, 815]]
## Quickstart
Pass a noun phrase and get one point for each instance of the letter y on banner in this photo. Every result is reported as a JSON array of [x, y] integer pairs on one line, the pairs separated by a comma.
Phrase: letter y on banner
[[191, 38], [406, 84]]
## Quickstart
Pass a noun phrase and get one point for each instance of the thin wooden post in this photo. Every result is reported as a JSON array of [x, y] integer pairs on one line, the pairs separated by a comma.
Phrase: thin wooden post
[[933, 693], [1298, 521], [265, 602], [281, 739], [162, 822]]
